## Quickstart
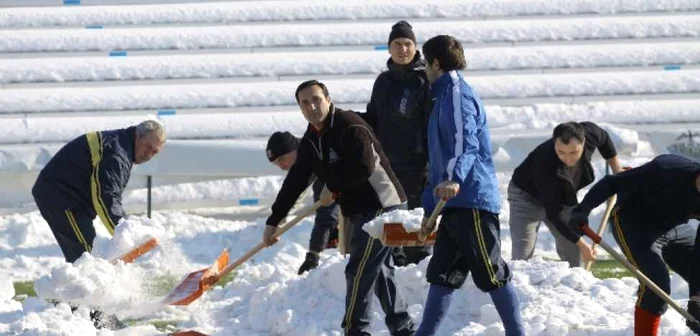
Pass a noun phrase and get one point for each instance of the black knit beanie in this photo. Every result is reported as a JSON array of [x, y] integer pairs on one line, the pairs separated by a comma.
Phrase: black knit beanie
[[402, 29], [280, 143]]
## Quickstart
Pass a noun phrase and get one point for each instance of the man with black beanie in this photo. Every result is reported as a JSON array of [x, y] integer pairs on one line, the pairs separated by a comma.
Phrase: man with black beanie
[[281, 150], [398, 113]]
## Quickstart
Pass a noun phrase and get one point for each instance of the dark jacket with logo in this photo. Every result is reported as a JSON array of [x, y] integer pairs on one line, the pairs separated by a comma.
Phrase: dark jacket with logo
[[398, 113], [90, 173], [349, 159], [656, 196], [545, 177]]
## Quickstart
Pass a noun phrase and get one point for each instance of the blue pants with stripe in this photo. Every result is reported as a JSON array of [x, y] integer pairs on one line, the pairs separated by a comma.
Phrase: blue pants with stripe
[[468, 240], [71, 227], [370, 270], [652, 252]]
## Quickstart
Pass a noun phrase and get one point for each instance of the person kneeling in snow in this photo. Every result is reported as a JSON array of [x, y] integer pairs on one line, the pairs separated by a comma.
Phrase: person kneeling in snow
[[650, 223], [86, 178], [461, 170], [341, 149], [282, 152]]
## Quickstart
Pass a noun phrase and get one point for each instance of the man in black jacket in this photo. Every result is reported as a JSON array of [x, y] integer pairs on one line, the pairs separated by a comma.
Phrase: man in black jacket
[[544, 186], [398, 112], [86, 178], [341, 149], [650, 223], [281, 150]]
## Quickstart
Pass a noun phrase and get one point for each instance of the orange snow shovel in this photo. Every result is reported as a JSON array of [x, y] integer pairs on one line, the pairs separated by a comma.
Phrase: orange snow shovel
[[638, 274], [395, 234], [194, 285], [137, 251]]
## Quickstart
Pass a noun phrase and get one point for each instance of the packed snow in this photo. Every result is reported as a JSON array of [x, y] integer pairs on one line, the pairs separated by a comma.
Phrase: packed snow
[[310, 10], [266, 296], [341, 91], [356, 33], [326, 63]]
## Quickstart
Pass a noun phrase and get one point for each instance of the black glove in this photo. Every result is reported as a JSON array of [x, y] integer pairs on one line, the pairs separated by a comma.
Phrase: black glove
[[310, 263], [578, 216], [694, 309]]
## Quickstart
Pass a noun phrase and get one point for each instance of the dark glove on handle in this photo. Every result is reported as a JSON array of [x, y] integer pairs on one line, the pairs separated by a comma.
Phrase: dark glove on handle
[[310, 263], [694, 309]]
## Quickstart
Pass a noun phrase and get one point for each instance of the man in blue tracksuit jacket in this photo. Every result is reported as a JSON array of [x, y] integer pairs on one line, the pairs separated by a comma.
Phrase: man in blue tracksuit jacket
[[655, 201], [461, 170]]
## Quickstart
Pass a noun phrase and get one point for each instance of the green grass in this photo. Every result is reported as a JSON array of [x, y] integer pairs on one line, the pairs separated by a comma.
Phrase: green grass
[[603, 269], [24, 288]]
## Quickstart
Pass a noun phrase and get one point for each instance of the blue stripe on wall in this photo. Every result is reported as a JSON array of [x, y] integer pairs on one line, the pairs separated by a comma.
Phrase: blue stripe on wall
[[166, 112], [381, 47], [117, 53], [672, 67], [71, 2], [248, 201], [94, 27]]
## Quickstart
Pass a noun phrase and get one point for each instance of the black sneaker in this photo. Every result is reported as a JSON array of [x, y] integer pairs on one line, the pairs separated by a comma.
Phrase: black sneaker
[[100, 321]]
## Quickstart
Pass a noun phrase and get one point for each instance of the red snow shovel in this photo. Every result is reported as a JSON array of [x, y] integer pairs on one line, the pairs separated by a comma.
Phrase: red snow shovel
[[395, 234], [193, 285], [137, 251], [638, 274]]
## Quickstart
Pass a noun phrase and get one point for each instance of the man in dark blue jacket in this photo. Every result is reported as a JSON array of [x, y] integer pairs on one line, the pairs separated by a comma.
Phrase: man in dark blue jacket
[[462, 172], [398, 113], [650, 223], [86, 179]]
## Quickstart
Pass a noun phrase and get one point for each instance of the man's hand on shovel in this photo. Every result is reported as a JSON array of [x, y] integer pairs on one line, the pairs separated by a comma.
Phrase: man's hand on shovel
[[445, 190], [268, 235], [327, 197]]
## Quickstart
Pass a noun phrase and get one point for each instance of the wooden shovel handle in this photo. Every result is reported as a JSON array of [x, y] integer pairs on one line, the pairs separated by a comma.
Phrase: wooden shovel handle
[[436, 212], [262, 245], [603, 224]]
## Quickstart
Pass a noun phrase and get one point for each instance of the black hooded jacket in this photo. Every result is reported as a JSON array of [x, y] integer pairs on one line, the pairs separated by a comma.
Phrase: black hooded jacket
[[398, 113]]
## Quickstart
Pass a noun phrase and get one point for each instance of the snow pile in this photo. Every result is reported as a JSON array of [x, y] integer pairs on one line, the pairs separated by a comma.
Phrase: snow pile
[[410, 219]]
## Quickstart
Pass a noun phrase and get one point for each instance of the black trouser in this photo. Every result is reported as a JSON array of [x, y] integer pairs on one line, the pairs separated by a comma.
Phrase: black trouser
[[651, 252], [71, 227], [412, 183], [468, 240], [326, 222], [369, 269]]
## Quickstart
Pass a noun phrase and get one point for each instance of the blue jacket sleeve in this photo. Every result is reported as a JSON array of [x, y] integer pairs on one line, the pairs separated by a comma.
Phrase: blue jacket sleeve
[[630, 181], [465, 142]]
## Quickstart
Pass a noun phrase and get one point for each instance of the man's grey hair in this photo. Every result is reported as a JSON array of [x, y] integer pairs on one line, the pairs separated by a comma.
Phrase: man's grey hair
[[151, 126]]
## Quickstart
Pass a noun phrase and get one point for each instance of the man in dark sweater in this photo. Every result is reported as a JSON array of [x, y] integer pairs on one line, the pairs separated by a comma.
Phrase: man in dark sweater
[[544, 186], [281, 150], [650, 223], [342, 151], [398, 112]]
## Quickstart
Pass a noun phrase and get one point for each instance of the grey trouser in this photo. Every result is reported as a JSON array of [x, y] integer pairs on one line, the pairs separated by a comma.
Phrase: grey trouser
[[526, 214]]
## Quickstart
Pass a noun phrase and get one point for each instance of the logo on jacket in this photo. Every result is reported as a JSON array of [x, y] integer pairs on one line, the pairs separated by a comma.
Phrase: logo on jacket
[[332, 156], [687, 145]]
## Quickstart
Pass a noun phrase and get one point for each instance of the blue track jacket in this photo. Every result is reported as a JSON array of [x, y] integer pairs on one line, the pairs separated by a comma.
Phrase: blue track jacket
[[459, 147]]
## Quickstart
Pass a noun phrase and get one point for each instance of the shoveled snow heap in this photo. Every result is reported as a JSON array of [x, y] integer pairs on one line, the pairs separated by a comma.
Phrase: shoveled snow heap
[[410, 219]]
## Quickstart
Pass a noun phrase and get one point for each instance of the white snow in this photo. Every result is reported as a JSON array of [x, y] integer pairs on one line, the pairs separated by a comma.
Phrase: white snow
[[343, 91], [69, 69], [410, 219], [361, 33], [267, 297], [242, 11]]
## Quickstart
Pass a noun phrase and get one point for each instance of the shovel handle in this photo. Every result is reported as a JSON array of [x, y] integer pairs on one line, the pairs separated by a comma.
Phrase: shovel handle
[[603, 224], [436, 212], [637, 273], [261, 245]]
